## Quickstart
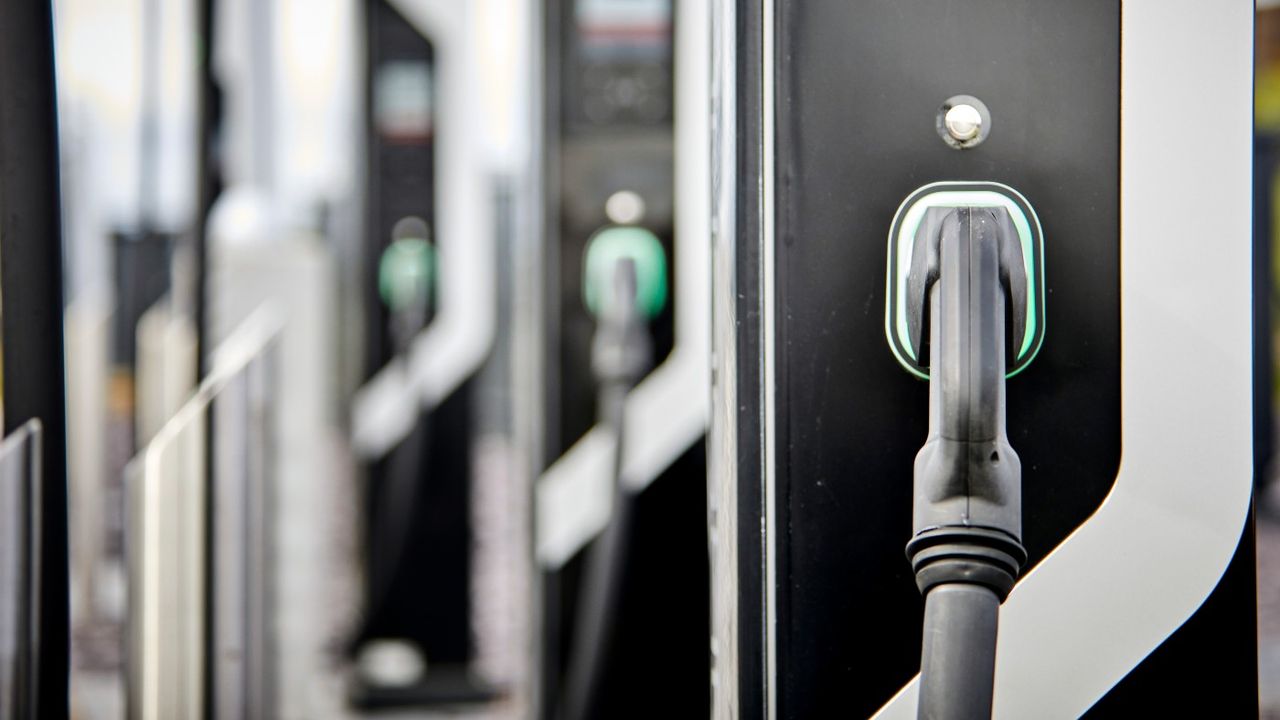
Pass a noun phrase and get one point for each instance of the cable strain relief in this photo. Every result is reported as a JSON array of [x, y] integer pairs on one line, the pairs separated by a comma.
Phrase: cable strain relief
[[962, 554]]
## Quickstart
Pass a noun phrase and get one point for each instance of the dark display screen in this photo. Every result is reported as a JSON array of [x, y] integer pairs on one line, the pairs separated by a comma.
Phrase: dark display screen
[[621, 63]]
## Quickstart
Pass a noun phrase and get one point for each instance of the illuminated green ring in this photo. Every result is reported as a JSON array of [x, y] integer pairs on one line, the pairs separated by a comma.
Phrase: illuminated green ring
[[613, 244], [901, 243]]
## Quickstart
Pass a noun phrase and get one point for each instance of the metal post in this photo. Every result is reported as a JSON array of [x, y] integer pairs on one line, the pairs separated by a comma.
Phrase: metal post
[[32, 305]]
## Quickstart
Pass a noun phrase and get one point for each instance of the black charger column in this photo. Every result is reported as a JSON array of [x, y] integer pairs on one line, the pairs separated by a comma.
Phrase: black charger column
[[31, 307]]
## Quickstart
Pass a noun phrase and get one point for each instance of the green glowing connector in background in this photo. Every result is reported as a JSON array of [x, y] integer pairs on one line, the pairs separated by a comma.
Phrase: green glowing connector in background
[[406, 273], [612, 244]]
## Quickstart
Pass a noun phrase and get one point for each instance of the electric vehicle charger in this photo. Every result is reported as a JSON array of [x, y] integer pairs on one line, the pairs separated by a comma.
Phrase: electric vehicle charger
[[624, 285], [406, 285], [964, 272], [418, 531]]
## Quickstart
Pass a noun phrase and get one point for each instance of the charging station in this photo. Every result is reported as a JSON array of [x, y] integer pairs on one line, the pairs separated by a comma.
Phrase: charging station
[[620, 514], [1029, 184], [449, 199], [418, 528]]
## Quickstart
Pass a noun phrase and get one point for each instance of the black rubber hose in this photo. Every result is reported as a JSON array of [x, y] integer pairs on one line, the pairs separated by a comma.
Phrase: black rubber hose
[[966, 548], [602, 580], [393, 517], [957, 664], [395, 509]]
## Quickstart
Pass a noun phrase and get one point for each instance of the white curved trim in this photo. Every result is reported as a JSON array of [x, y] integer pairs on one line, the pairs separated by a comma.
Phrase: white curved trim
[[165, 487], [1157, 547], [668, 411], [458, 340]]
